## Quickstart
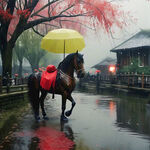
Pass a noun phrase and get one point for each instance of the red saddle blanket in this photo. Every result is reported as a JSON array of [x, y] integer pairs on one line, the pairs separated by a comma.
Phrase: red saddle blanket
[[48, 77]]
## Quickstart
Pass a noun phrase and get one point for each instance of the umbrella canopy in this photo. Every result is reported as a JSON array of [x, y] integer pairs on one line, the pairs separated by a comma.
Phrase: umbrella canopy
[[63, 41]]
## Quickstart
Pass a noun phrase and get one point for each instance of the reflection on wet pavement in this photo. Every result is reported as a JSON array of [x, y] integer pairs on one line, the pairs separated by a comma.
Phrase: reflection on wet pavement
[[48, 139], [98, 122]]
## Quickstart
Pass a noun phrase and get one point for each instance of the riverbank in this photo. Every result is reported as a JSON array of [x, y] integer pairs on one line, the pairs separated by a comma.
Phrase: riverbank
[[114, 89], [10, 118]]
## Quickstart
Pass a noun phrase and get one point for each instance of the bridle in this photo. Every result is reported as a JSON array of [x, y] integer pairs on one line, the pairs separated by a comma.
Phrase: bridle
[[76, 66]]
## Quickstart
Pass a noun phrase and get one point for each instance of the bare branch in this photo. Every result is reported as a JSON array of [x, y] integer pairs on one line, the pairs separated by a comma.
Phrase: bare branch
[[37, 32], [49, 9], [60, 23], [78, 23], [32, 5], [11, 6], [48, 4], [20, 6], [55, 6], [41, 16], [41, 20], [25, 5], [48, 24], [66, 9]]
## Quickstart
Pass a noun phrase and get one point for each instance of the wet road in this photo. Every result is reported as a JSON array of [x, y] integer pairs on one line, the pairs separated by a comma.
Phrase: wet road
[[98, 122]]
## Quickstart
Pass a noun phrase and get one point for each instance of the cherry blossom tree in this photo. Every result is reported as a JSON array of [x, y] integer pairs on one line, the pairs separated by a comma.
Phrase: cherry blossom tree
[[16, 16]]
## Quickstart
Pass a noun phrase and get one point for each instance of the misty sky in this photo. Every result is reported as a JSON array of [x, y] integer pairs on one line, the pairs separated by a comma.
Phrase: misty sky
[[98, 44]]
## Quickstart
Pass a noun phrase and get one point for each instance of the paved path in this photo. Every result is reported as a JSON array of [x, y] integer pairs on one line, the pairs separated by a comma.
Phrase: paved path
[[97, 123]]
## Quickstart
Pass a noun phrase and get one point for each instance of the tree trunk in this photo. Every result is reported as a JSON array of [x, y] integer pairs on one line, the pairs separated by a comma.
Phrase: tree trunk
[[6, 55], [20, 68]]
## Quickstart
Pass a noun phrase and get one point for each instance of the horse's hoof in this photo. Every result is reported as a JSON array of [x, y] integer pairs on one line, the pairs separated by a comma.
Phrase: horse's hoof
[[64, 119], [68, 113], [37, 118], [45, 118]]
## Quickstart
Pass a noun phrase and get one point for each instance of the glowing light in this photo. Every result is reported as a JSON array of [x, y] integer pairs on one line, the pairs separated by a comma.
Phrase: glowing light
[[112, 107], [112, 68]]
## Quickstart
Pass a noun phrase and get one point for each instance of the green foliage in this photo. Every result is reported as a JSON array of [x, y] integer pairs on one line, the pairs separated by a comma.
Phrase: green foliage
[[28, 47], [134, 67], [32, 50], [12, 115], [50, 58], [18, 55]]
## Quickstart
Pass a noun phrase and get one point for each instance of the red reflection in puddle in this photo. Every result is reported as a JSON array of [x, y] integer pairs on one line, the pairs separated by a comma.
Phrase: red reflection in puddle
[[50, 139]]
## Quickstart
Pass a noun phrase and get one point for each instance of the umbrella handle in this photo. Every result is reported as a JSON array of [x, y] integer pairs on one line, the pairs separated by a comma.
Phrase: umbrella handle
[[64, 48]]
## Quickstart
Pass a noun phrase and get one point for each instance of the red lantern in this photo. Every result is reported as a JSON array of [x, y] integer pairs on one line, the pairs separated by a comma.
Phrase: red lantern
[[90, 72], [97, 71], [16, 75], [26, 74], [36, 70]]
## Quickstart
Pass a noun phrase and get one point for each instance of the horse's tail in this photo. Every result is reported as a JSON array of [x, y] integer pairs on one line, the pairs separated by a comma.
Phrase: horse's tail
[[33, 92]]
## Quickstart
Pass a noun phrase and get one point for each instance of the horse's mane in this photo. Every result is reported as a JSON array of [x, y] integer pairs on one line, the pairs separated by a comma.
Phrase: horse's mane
[[66, 61]]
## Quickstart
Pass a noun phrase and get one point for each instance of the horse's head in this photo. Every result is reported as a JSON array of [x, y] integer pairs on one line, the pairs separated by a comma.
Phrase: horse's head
[[78, 65]]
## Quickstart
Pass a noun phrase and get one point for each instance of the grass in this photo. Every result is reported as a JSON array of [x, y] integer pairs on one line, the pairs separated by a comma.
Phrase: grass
[[9, 118]]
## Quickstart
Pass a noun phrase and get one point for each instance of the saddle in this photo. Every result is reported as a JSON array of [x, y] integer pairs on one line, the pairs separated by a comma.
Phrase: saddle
[[48, 78]]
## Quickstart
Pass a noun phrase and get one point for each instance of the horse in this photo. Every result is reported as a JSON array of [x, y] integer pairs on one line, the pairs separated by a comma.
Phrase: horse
[[64, 85]]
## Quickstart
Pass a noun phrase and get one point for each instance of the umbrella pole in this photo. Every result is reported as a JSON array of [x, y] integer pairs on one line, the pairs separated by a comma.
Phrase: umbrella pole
[[64, 48]]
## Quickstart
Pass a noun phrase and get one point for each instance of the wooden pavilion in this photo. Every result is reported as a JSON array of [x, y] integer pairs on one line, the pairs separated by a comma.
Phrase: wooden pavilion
[[137, 47]]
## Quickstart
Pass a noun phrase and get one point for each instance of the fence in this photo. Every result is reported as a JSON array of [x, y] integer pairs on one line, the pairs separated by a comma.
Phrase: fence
[[12, 92], [130, 79], [9, 85]]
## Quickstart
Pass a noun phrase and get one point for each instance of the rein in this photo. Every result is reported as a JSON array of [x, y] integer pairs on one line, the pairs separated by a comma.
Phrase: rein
[[61, 72], [66, 76]]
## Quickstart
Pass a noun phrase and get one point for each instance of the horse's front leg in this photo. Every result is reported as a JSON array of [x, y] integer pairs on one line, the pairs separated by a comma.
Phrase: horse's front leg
[[43, 96], [64, 98], [70, 98]]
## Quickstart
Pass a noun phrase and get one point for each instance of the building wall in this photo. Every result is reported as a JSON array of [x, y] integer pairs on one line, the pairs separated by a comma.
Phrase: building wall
[[149, 57], [126, 57]]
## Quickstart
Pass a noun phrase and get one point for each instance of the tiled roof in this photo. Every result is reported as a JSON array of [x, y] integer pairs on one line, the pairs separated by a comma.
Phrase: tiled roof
[[107, 61], [140, 39]]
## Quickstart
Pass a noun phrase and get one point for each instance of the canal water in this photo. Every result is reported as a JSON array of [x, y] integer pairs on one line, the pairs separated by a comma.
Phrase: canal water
[[100, 121]]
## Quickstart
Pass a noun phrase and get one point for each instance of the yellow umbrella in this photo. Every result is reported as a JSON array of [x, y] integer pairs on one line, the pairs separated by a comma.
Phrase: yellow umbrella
[[63, 41]]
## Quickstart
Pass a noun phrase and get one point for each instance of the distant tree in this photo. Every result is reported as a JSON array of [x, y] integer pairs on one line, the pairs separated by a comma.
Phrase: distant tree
[[14, 63], [32, 52], [19, 52], [50, 58], [16, 16]]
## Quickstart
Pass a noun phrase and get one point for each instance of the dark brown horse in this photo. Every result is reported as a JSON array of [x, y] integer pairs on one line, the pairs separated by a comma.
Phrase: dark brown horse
[[65, 84]]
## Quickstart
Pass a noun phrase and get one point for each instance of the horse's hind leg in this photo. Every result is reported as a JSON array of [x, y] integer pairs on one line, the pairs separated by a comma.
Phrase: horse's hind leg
[[42, 97], [33, 89], [70, 98], [34, 100]]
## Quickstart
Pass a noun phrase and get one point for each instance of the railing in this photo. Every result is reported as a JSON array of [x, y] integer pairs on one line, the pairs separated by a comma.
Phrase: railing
[[10, 85], [130, 79]]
